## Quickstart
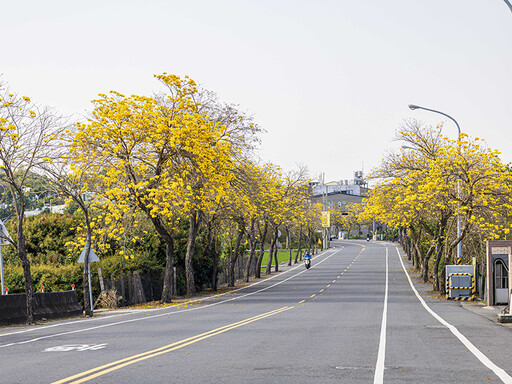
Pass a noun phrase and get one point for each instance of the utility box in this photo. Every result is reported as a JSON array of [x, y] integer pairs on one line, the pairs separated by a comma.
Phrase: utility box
[[460, 282], [499, 273]]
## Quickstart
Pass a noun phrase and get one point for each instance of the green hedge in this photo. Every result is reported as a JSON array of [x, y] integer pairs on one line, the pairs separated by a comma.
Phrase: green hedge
[[52, 277]]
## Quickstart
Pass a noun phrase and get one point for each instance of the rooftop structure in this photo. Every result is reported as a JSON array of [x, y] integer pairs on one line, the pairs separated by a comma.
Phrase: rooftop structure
[[356, 186]]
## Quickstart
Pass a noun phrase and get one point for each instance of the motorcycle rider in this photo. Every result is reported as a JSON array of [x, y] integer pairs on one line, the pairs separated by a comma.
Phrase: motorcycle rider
[[307, 258]]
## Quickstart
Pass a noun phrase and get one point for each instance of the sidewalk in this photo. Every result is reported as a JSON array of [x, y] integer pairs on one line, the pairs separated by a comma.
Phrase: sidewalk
[[486, 311]]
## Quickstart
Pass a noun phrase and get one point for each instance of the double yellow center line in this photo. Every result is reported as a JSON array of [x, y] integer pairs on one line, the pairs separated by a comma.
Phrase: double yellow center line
[[110, 367]]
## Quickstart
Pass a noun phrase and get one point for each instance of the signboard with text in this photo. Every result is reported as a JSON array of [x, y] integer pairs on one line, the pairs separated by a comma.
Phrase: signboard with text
[[326, 219]]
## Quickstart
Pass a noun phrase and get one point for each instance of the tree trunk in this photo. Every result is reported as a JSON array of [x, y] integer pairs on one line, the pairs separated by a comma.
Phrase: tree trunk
[[102, 282], [268, 271], [250, 260], [215, 269], [169, 272], [442, 280], [276, 257], [252, 244], [415, 244], [169, 277], [22, 254], [235, 254], [435, 269], [168, 284], [424, 264], [25, 263], [408, 248], [289, 241], [299, 245], [440, 251], [257, 271], [27, 275], [211, 252], [191, 245], [88, 305]]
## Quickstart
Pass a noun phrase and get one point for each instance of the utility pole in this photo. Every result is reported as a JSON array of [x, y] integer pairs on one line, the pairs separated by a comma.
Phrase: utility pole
[[325, 230]]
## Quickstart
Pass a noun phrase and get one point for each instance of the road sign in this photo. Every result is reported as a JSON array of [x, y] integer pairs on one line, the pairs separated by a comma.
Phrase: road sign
[[4, 234], [326, 219], [92, 256]]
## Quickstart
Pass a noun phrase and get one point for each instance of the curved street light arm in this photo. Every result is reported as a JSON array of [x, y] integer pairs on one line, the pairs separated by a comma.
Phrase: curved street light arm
[[509, 4], [412, 106]]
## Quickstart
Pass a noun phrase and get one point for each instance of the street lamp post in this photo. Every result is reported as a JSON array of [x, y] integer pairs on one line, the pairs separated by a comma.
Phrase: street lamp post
[[459, 245]]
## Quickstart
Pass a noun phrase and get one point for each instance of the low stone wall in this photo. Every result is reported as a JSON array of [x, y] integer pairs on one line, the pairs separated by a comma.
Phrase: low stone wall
[[48, 305]]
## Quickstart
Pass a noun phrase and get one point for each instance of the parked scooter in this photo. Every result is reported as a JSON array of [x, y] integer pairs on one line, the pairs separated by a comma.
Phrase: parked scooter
[[307, 260]]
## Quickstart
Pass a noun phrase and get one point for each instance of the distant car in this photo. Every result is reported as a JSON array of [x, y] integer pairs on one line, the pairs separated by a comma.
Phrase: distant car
[[333, 237]]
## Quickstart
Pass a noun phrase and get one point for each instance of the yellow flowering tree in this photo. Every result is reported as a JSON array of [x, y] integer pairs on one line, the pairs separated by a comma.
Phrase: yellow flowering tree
[[76, 184], [146, 149], [27, 140], [432, 182], [167, 156]]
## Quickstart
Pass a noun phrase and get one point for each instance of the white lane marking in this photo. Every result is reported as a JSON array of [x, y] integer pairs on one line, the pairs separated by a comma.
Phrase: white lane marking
[[501, 373], [46, 326], [181, 311], [136, 311], [381, 357]]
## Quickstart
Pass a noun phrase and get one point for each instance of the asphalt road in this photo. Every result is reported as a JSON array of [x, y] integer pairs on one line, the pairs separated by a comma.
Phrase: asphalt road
[[354, 317]]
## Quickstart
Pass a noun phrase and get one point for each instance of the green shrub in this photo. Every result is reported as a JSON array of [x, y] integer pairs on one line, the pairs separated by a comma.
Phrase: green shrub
[[52, 277], [45, 237]]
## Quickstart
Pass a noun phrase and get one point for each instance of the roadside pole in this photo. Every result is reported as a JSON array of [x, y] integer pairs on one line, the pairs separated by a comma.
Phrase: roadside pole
[[4, 235], [2, 268], [90, 286], [92, 258], [326, 225]]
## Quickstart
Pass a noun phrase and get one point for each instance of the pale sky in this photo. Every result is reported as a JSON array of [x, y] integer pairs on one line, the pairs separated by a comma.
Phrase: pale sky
[[329, 81]]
